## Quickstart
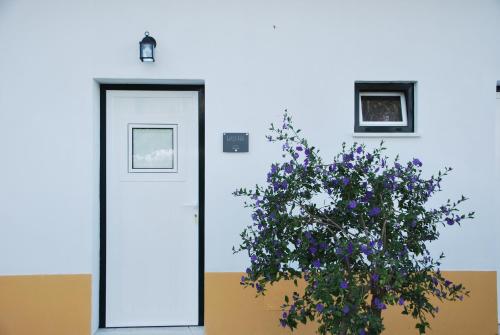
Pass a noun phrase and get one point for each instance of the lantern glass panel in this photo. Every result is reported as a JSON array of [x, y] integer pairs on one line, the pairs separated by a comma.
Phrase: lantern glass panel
[[147, 51]]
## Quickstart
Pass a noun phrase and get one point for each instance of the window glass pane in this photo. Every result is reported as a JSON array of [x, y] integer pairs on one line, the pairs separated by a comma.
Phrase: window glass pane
[[152, 148], [381, 108]]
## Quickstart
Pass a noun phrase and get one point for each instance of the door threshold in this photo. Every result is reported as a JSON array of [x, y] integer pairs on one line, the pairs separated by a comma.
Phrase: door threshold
[[191, 330]]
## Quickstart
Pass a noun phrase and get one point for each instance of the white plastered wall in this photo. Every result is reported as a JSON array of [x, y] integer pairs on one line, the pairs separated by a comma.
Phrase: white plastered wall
[[256, 58]]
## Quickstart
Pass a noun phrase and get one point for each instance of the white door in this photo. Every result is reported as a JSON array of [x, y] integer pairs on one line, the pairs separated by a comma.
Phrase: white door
[[152, 208], [497, 145]]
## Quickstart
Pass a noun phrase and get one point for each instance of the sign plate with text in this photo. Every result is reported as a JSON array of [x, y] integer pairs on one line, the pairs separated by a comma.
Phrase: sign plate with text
[[235, 142]]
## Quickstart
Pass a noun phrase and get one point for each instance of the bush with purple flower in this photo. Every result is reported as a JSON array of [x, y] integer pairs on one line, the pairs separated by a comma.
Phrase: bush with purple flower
[[356, 230]]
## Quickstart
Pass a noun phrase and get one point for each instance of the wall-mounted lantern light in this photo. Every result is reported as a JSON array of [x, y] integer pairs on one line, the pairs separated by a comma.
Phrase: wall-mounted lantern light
[[147, 48]]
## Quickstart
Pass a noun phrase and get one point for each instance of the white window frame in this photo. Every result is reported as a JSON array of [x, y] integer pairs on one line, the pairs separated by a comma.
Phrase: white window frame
[[404, 112], [175, 146]]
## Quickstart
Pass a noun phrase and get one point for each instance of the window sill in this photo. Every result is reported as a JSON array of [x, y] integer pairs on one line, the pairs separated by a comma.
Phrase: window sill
[[395, 135]]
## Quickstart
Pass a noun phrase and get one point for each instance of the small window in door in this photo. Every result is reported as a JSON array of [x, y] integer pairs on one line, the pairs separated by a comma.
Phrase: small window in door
[[152, 148]]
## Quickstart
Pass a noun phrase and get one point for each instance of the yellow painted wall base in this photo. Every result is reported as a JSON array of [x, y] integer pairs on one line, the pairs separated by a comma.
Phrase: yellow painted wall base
[[61, 305], [45, 305], [230, 309]]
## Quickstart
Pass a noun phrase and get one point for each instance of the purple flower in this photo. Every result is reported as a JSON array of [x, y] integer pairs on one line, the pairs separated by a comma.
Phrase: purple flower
[[345, 181], [316, 263], [368, 196], [449, 221], [417, 162], [283, 323], [284, 185], [374, 211], [323, 245], [332, 167], [253, 258], [306, 162], [352, 204], [362, 332], [320, 308], [350, 248], [447, 283], [344, 284], [366, 250], [299, 148], [375, 277], [295, 155], [444, 210], [359, 149], [288, 168], [307, 152], [242, 279], [379, 304], [346, 309], [313, 250], [349, 165], [259, 288], [401, 301]]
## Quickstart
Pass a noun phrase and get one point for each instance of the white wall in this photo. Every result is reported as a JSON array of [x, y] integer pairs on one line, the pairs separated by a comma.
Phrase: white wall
[[53, 50]]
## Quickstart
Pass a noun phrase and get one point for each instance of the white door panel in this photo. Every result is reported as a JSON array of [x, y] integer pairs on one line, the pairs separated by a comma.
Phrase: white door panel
[[152, 228]]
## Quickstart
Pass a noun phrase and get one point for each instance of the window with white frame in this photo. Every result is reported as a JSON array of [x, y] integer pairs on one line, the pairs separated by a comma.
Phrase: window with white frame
[[382, 107], [152, 148]]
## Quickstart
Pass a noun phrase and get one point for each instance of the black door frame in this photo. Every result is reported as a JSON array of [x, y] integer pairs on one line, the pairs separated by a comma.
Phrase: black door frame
[[201, 180]]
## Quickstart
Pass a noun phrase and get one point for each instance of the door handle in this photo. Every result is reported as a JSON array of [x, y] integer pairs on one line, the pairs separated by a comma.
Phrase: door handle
[[196, 210]]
